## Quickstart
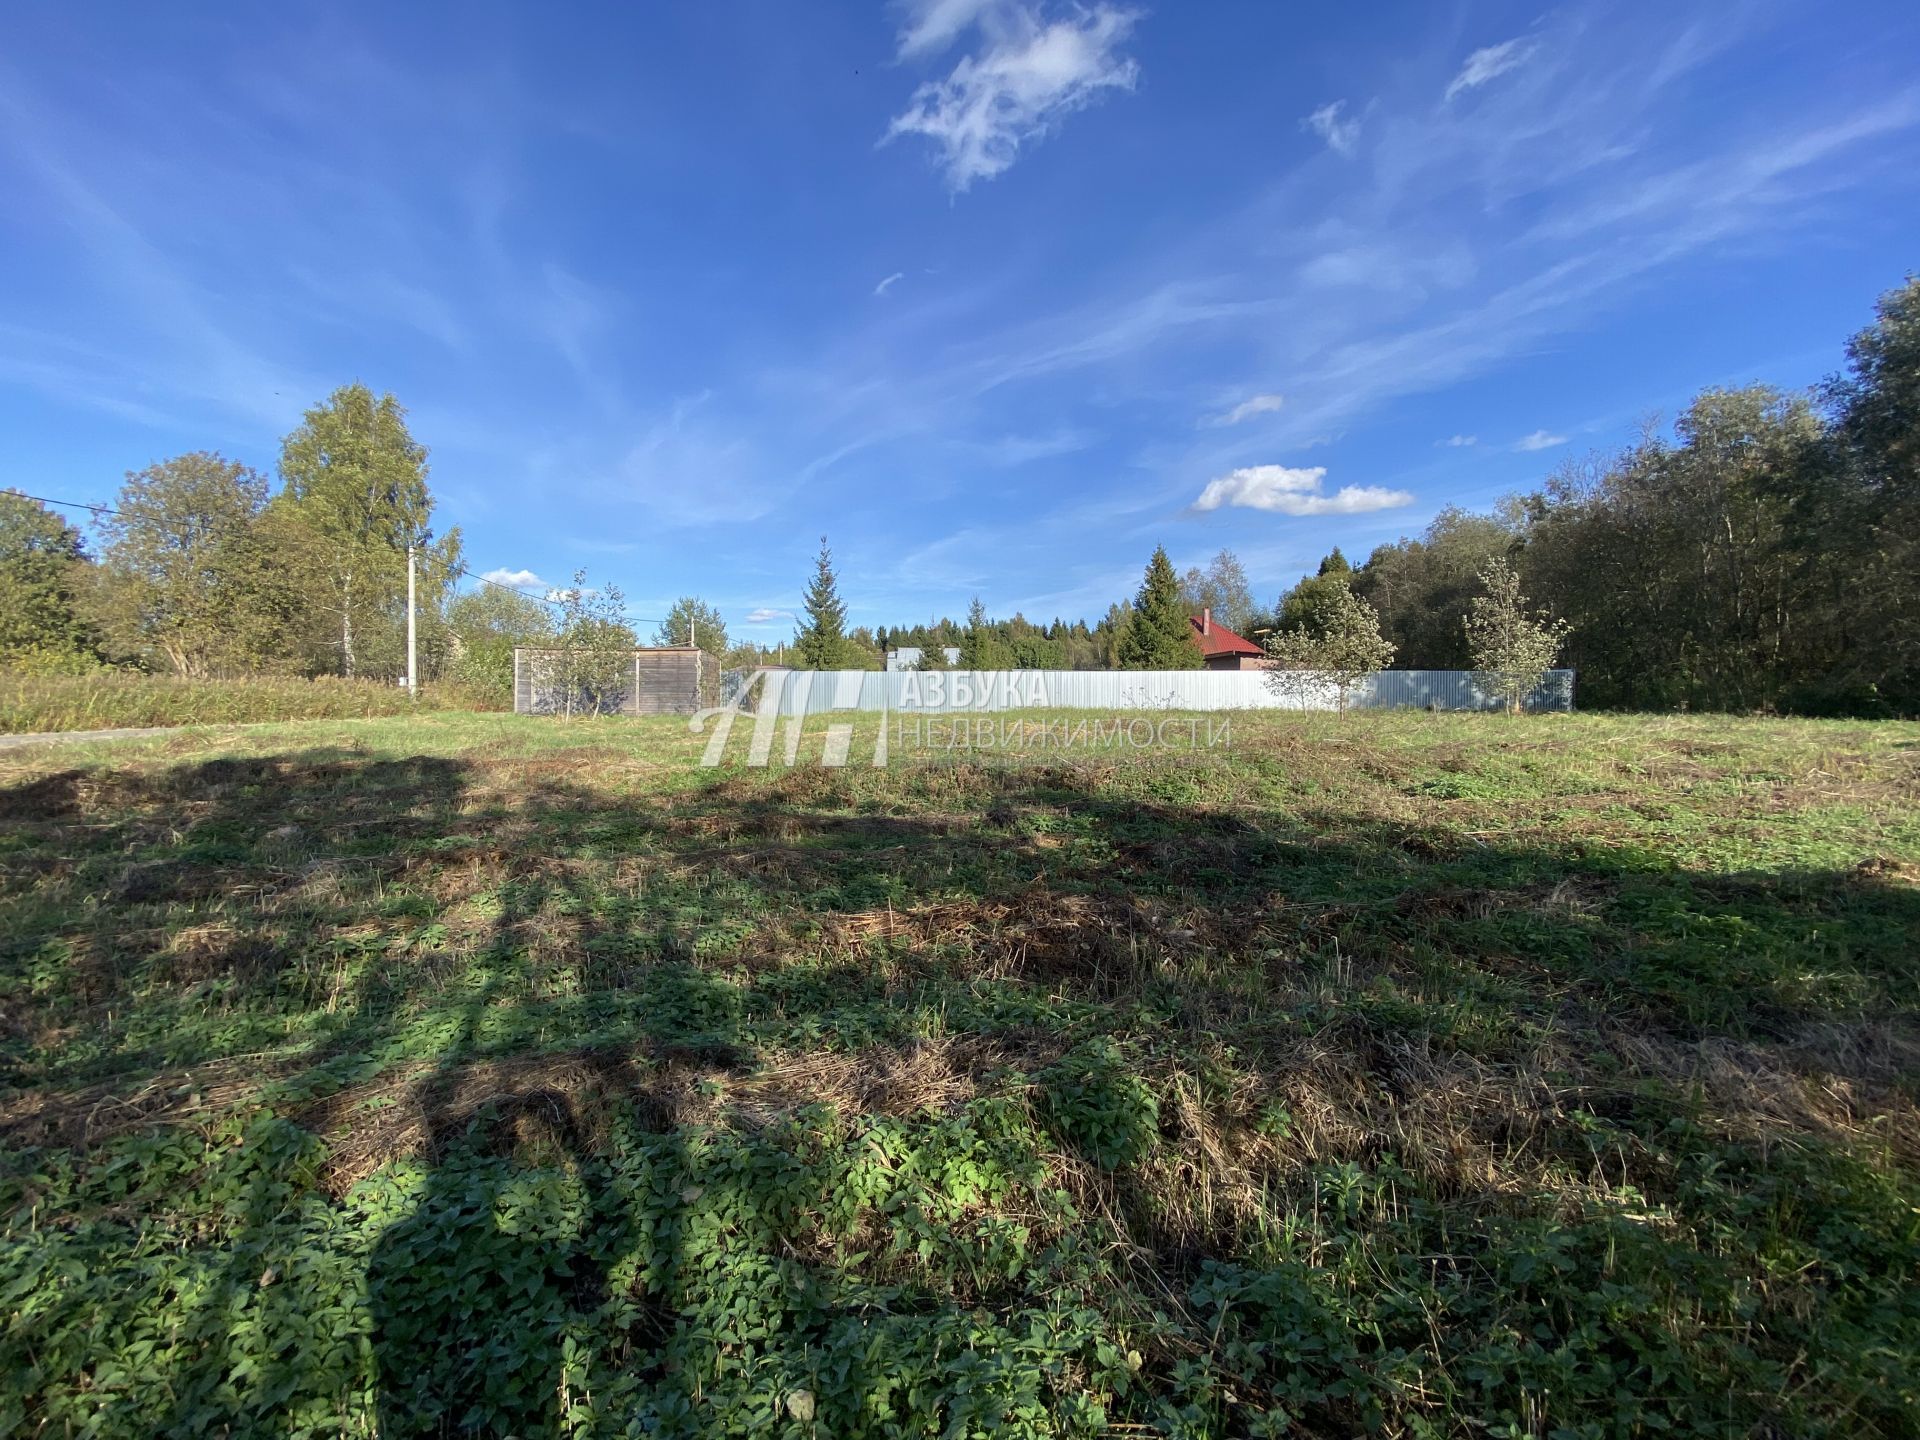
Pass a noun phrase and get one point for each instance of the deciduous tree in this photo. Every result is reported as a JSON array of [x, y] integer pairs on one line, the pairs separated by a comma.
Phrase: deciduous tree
[[594, 666], [1860, 520], [484, 626], [1513, 645], [1311, 603], [356, 479], [188, 573], [41, 574], [1421, 587], [1345, 648], [1222, 588]]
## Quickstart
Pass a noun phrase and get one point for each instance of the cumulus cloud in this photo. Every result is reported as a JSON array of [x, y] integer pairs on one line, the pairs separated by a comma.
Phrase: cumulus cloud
[[1253, 405], [1287, 491], [1024, 77], [516, 579], [1487, 64], [1539, 440], [765, 613], [1341, 134], [1458, 441], [888, 283]]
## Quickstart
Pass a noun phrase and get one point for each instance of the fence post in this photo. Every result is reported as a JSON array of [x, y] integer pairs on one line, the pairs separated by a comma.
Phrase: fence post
[[413, 649]]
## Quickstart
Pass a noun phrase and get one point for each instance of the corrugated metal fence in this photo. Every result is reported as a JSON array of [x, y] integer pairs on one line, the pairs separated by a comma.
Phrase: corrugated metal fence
[[950, 692]]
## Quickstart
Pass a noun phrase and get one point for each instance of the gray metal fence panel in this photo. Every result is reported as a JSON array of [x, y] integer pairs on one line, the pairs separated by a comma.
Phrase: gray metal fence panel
[[949, 692]]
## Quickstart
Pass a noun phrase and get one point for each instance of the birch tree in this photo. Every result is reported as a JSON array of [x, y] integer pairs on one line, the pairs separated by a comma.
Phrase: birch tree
[[356, 480]]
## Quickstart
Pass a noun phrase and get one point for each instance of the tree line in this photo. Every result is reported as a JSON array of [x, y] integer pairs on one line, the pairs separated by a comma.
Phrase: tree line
[[204, 568], [1763, 554]]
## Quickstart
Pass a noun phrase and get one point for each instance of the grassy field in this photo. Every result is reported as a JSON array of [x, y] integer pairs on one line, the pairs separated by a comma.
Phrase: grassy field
[[109, 699], [1427, 1075]]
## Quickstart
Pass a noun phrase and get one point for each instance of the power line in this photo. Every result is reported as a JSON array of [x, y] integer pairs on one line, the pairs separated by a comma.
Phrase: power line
[[423, 553]]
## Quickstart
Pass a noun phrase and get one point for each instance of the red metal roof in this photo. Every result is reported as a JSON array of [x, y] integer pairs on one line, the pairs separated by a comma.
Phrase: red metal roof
[[1215, 639]]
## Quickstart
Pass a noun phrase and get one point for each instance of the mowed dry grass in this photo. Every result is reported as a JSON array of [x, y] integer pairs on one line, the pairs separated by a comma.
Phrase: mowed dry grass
[[1595, 1035]]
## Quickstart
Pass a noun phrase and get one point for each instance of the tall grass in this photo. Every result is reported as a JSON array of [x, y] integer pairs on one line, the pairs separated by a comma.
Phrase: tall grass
[[108, 699]]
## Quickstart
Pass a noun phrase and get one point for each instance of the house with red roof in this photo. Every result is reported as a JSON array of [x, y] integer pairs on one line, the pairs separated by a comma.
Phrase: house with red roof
[[1221, 649]]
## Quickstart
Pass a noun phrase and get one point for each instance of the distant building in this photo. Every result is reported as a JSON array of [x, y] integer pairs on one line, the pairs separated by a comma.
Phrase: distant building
[[1221, 649], [907, 657]]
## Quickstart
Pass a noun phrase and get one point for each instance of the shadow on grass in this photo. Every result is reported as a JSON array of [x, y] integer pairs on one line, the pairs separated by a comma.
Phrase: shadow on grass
[[534, 989]]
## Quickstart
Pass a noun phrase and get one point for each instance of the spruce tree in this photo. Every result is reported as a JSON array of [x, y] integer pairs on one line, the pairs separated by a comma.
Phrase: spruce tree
[[821, 642], [1160, 635], [980, 645]]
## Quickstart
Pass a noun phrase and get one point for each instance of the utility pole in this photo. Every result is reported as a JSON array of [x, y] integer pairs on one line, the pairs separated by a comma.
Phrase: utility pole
[[413, 652]]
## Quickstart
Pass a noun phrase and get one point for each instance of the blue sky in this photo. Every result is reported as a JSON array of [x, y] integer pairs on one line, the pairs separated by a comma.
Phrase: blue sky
[[995, 293]]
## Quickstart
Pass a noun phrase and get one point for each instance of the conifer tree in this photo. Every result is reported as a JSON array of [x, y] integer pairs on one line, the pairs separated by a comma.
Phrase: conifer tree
[[821, 641], [980, 645], [1160, 635]]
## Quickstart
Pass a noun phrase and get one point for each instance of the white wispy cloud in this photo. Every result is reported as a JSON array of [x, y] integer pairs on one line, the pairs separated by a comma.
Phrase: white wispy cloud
[[698, 464], [1288, 491], [764, 613], [1253, 405], [1027, 74], [1342, 133], [932, 25], [1459, 441], [1489, 63], [889, 282], [516, 579], [1539, 440], [1011, 450], [575, 318]]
